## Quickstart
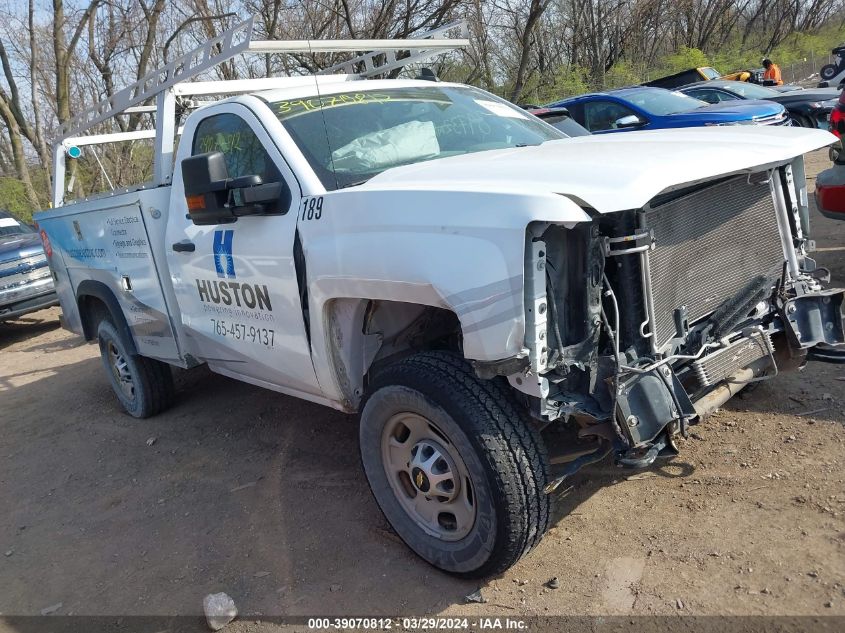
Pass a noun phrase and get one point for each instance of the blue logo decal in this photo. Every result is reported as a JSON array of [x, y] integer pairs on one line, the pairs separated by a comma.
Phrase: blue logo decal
[[224, 263]]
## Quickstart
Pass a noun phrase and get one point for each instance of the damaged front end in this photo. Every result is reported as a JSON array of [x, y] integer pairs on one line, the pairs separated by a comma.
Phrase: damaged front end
[[644, 321]]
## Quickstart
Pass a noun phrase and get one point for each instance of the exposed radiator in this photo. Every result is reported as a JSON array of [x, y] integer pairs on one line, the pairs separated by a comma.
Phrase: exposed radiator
[[708, 245], [715, 367]]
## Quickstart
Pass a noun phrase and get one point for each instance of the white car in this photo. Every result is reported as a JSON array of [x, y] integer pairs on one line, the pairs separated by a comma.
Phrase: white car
[[459, 273]]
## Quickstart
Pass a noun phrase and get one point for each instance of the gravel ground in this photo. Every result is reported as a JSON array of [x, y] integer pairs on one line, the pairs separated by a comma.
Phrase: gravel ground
[[250, 492]]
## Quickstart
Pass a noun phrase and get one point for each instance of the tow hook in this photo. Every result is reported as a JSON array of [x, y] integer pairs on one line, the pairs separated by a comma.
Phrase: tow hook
[[643, 457], [577, 464]]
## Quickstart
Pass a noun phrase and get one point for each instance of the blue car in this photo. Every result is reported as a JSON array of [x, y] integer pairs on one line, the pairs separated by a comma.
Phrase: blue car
[[648, 108]]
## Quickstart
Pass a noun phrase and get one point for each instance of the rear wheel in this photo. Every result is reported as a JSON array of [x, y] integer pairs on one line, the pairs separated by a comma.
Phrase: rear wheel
[[455, 468], [143, 386]]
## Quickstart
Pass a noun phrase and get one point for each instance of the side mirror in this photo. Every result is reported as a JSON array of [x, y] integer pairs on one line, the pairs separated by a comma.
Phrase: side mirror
[[630, 120], [214, 198]]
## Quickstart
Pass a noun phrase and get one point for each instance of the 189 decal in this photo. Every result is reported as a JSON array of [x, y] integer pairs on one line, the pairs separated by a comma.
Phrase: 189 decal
[[312, 208]]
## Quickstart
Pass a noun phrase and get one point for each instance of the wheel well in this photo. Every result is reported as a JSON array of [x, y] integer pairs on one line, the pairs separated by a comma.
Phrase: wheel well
[[364, 334], [97, 302], [91, 310], [407, 328]]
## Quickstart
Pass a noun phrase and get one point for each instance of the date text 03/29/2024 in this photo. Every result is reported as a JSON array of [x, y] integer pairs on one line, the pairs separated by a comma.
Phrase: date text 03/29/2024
[[424, 623]]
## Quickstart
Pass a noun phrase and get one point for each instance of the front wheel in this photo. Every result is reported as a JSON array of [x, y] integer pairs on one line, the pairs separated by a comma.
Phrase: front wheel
[[799, 120], [143, 386], [456, 469]]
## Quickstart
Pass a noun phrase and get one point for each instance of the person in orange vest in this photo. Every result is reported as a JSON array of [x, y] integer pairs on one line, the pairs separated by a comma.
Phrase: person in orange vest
[[772, 72]]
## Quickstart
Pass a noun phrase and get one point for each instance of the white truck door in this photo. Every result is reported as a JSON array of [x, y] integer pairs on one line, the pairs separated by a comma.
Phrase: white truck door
[[236, 283]]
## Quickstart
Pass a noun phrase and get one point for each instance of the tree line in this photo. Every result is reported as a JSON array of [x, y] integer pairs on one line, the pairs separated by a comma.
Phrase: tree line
[[59, 56]]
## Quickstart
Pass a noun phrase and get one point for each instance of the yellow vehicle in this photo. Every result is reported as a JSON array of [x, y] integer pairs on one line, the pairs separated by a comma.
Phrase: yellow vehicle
[[742, 75], [685, 77], [694, 75]]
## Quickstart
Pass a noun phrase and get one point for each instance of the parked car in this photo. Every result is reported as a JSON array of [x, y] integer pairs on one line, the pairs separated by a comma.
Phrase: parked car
[[830, 192], [806, 108], [836, 125], [561, 119], [830, 201], [646, 108], [26, 284]]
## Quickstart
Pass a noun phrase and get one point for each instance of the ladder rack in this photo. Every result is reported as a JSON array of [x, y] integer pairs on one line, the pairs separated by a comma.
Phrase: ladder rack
[[173, 80]]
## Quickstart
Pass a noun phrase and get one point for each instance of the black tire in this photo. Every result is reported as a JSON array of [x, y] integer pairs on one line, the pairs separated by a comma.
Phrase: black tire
[[799, 120], [828, 72], [503, 454], [150, 381]]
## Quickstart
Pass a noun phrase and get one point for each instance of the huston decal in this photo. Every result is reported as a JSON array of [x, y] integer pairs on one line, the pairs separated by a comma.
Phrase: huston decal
[[231, 293], [224, 261]]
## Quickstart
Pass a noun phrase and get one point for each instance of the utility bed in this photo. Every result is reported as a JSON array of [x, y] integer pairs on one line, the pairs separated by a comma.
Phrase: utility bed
[[115, 244]]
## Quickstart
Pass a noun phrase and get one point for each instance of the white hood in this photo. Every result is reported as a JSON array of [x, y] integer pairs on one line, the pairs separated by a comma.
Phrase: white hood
[[610, 172]]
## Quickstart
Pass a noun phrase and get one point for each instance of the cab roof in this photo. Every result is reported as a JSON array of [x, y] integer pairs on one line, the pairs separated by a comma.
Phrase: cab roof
[[333, 84]]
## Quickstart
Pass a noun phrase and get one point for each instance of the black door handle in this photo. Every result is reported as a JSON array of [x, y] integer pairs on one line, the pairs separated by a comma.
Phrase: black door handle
[[184, 247]]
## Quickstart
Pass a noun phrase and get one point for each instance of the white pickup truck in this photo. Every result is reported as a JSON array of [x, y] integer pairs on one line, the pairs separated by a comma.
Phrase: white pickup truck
[[456, 271]]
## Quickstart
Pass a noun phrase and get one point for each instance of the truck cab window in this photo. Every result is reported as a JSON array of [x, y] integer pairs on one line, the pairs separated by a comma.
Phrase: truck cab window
[[243, 151]]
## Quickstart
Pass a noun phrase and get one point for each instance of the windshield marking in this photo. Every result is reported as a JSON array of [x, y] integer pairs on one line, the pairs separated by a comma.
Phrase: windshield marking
[[329, 101], [400, 126]]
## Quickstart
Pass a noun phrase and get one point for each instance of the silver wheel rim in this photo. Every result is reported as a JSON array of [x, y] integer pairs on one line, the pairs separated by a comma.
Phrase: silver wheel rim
[[120, 370], [428, 476]]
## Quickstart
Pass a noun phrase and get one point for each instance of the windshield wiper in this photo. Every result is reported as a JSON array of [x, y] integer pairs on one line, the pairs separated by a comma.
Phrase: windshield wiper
[[355, 184]]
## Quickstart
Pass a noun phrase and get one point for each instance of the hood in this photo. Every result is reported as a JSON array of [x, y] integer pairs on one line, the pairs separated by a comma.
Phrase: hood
[[786, 88], [610, 172], [733, 111], [17, 246]]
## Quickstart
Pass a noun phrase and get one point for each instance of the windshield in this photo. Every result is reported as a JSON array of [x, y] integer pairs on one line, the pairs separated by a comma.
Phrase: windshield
[[367, 132], [661, 102], [10, 226], [750, 91], [710, 73]]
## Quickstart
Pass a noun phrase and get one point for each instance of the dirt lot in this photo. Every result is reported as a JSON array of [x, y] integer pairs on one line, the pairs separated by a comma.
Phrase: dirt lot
[[242, 490]]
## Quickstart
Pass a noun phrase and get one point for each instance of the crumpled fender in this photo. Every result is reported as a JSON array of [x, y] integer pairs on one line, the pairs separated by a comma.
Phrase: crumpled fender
[[458, 250]]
